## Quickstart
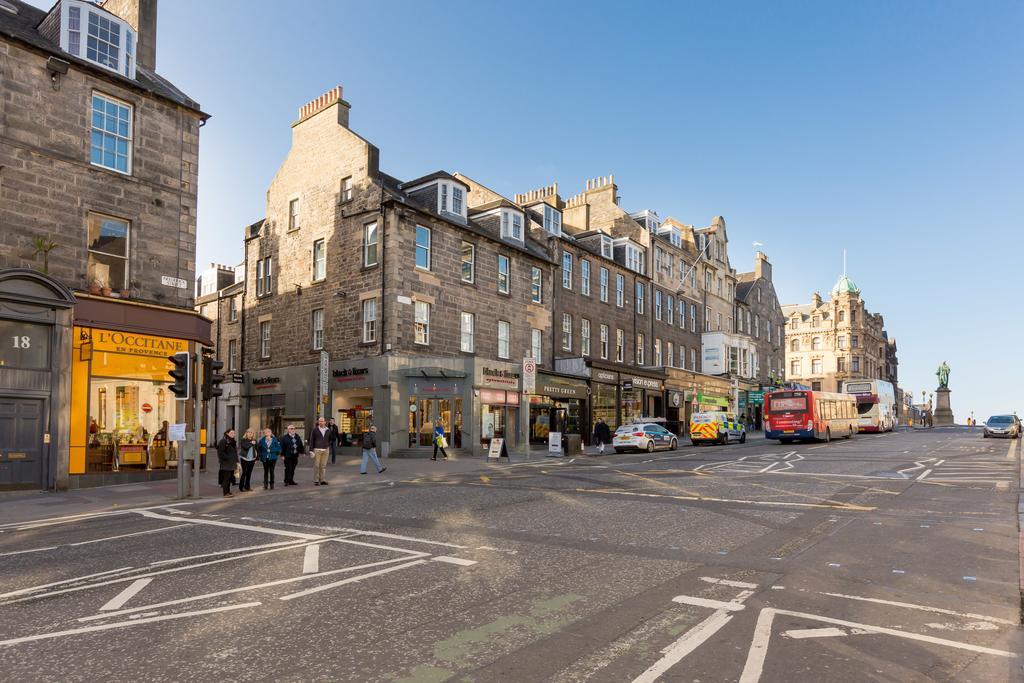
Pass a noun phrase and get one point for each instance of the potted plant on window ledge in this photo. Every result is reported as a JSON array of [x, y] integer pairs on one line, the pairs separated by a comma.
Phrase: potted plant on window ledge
[[95, 287]]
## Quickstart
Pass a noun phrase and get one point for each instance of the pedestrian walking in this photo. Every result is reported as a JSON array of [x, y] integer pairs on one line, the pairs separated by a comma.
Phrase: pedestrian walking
[[227, 455], [370, 450], [291, 447], [602, 435], [335, 438], [320, 448], [269, 449], [439, 441], [248, 452]]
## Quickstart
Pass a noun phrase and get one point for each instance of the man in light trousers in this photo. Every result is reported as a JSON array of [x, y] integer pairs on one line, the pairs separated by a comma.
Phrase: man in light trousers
[[320, 446], [370, 450]]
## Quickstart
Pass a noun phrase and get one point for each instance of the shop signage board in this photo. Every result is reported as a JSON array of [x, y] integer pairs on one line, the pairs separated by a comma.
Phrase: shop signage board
[[494, 451], [177, 282], [641, 383], [176, 432], [707, 400], [325, 362], [554, 444], [136, 344], [755, 398], [497, 377], [529, 376], [605, 376]]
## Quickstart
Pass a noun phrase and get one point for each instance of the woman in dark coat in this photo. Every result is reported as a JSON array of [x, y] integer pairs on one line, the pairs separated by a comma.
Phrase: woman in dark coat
[[248, 453], [227, 455], [269, 449]]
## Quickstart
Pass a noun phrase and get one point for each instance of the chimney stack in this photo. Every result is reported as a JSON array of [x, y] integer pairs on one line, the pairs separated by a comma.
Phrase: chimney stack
[[328, 99], [141, 16], [762, 266], [816, 299]]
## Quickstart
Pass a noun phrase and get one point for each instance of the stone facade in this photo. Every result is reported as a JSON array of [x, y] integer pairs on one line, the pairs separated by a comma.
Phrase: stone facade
[[48, 187], [759, 316], [831, 342]]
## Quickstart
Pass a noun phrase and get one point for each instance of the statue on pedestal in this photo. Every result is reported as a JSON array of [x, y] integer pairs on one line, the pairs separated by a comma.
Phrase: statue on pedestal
[[943, 374]]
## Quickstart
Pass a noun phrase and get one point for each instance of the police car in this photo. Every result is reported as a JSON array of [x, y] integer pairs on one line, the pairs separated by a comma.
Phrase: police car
[[716, 427], [644, 436]]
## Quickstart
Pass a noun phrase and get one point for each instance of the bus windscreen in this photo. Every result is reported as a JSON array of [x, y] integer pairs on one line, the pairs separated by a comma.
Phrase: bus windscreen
[[787, 404]]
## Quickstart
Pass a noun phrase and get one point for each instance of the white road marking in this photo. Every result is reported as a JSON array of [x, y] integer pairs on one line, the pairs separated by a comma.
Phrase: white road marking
[[311, 560], [711, 499], [155, 573], [33, 550], [233, 525], [924, 474], [353, 579], [124, 596], [23, 591], [461, 561], [728, 582], [827, 632], [754, 665], [969, 626], [349, 541], [814, 448], [277, 544], [137, 533], [684, 645], [924, 608], [67, 519], [397, 537], [122, 624], [243, 589], [712, 604]]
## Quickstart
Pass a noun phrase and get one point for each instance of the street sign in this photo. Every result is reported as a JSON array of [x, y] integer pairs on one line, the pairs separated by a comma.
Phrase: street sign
[[755, 398], [325, 362], [176, 432], [529, 375], [177, 282], [554, 443], [494, 450]]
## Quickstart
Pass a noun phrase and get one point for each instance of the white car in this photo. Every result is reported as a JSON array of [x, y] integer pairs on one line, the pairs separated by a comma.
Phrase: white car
[[644, 436]]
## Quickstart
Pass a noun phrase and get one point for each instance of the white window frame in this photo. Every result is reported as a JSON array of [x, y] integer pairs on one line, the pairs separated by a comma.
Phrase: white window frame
[[567, 332], [232, 355], [640, 293], [670, 310], [603, 343], [456, 193], [536, 344], [670, 357], [233, 309], [504, 274], [346, 189], [620, 290], [640, 348], [634, 258], [127, 37], [620, 346], [317, 326], [552, 220], [536, 285], [511, 225], [504, 339], [421, 324], [657, 353], [319, 265], [693, 317], [607, 247], [425, 248], [693, 359], [584, 277], [369, 321], [127, 247], [265, 340], [467, 330], [816, 366], [566, 270], [470, 261], [294, 214], [371, 243], [115, 135], [603, 284], [584, 337], [658, 307]]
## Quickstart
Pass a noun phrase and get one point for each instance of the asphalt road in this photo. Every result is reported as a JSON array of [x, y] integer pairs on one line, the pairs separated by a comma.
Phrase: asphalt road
[[881, 558]]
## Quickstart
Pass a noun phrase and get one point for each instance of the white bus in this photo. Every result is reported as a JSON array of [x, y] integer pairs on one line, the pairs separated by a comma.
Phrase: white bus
[[876, 404]]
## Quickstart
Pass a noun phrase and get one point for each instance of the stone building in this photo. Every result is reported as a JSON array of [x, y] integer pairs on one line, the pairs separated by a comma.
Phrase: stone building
[[420, 303], [98, 170], [830, 342], [759, 317]]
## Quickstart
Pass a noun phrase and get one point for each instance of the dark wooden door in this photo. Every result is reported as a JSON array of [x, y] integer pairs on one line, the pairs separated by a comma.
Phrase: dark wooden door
[[21, 443]]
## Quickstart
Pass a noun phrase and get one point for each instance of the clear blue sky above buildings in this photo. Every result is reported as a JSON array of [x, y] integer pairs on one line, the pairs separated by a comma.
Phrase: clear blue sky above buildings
[[893, 130]]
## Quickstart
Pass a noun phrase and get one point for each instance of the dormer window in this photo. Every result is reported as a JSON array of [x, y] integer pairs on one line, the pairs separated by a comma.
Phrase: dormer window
[[552, 220], [511, 225], [634, 257], [607, 249], [451, 199], [97, 36]]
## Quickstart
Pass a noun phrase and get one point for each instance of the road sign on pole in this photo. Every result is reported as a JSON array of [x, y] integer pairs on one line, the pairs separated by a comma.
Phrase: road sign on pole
[[325, 363], [529, 375]]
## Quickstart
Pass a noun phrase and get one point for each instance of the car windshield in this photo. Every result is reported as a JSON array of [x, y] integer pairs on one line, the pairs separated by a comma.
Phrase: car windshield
[[1000, 420], [626, 428]]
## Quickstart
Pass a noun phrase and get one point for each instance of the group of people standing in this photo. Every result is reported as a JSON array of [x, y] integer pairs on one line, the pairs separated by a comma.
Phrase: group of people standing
[[321, 444]]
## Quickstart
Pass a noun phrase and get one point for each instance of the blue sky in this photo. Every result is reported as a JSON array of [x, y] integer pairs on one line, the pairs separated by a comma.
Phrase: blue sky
[[893, 130]]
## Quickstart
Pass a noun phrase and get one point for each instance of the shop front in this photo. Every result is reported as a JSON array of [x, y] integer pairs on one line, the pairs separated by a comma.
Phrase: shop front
[[432, 401], [497, 388], [352, 399], [559, 404], [604, 397], [642, 397]]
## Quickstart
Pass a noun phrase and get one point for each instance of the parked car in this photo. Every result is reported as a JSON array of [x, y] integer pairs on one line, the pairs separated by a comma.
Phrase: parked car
[[1002, 426], [644, 436], [716, 427]]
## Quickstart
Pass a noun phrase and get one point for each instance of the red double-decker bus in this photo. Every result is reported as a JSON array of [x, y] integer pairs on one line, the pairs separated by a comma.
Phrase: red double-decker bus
[[806, 415]]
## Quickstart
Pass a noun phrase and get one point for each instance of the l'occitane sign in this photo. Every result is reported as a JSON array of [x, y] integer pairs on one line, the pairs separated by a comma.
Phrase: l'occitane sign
[[136, 344]]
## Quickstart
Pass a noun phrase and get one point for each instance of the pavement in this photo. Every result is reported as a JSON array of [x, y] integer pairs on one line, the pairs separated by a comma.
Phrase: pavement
[[883, 557]]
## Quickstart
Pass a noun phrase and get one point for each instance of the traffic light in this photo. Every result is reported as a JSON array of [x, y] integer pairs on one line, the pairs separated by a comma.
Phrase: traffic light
[[182, 374], [212, 378]]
